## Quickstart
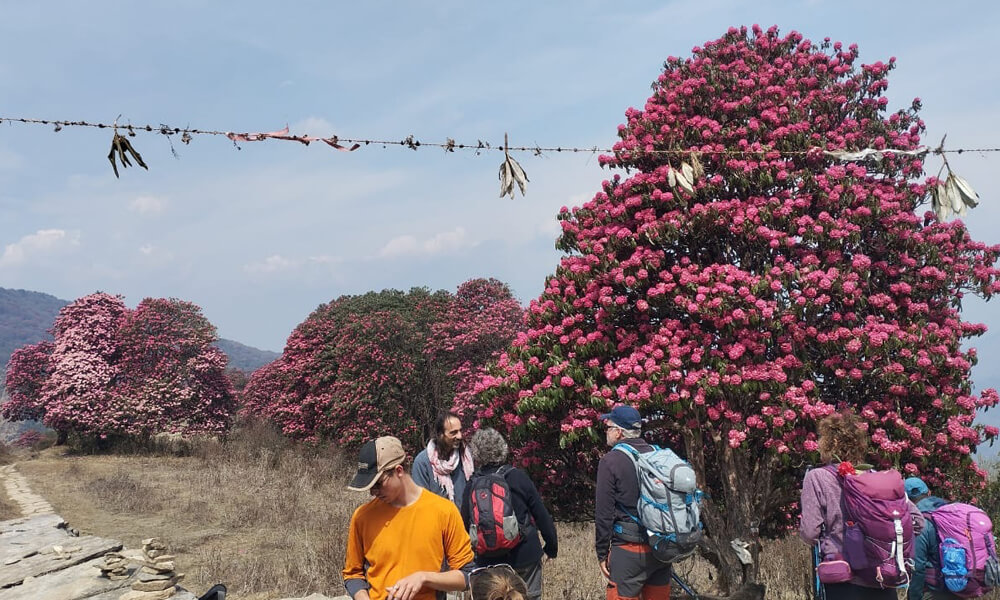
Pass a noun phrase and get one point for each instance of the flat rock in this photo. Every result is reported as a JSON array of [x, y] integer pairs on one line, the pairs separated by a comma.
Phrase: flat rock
[[30, 538], [180, 594], [160, 567], [41, 564], [144, 576], [71, 583], [155, 585], [139, 595], [38, 521]]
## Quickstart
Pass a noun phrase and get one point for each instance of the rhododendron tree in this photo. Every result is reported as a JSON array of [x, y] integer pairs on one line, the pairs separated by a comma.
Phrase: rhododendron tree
[[481, 319], [26, 372], [171, 375], [111, 371], [383, 362], [738, 284]]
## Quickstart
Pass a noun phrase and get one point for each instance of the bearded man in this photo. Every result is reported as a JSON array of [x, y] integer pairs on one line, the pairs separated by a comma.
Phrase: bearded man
[[445, 466]]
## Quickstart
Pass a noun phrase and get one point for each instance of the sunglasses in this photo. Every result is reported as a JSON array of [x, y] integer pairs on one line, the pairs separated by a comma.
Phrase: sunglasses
[[475, 573]]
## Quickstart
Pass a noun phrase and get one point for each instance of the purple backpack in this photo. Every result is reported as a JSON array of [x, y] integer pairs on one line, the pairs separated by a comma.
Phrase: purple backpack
[[878, 528], [969, 532]]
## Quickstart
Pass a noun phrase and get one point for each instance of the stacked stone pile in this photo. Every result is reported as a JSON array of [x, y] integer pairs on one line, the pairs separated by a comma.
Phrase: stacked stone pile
[[156, 579], [115, 566]]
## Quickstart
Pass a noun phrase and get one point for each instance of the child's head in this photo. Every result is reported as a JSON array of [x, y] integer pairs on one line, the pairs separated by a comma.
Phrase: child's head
[[498, 582]]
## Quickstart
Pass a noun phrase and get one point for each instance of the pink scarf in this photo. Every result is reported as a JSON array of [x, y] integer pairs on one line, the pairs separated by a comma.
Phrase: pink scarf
[[444, 469]]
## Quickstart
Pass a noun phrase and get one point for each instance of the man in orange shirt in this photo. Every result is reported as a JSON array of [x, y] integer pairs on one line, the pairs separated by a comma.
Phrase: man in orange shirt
[[399, 541]]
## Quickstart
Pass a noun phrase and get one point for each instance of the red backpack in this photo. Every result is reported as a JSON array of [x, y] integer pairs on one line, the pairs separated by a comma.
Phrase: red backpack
[[493, 525]]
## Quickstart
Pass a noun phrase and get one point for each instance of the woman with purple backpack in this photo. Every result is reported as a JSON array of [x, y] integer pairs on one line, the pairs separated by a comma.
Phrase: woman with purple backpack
[[861, 518]]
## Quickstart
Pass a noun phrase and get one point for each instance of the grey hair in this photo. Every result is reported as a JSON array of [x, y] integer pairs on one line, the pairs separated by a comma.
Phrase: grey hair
[[631, 433], [488, 447]]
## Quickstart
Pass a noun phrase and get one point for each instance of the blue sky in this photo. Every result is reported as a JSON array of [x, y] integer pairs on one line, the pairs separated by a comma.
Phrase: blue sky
[[259, 237]]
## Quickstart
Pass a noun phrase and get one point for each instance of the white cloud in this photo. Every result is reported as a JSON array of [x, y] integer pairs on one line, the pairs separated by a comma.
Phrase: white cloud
[[146, 249], [442, 243], [314, 126], [42, 242], [272, 264], [325, 260], [147, 205], [400, 246]]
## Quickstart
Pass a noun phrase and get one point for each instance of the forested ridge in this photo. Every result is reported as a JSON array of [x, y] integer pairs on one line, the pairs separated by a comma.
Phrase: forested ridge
[[26, 316]]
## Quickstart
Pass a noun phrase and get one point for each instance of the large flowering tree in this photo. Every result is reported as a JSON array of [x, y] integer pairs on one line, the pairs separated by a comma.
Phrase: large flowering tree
[[111, 371], [384, 362], [740, 284]]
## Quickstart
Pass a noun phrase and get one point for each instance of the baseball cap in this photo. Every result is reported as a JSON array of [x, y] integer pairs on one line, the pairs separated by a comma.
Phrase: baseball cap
[[625, 417], [915, 486], [375, 457]]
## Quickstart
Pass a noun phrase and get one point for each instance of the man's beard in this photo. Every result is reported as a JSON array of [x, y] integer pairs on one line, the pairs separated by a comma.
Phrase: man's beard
[[443, 449]]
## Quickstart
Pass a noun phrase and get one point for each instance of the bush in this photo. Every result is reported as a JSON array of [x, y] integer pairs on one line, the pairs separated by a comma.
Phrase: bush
[[28, 439]]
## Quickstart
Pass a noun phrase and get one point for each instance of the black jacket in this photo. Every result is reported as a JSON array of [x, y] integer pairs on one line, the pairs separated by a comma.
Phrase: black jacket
[[617, 495], [529, 508]]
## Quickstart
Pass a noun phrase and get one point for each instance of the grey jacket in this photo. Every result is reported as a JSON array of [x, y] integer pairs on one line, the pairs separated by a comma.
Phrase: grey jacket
[[423, 474]]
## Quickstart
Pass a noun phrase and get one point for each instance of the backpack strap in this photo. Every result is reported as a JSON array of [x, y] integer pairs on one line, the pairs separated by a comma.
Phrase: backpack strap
[[627, 449], [633, 455]]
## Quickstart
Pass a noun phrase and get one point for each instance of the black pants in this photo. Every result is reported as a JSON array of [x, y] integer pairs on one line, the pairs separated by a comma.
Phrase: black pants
[[849, 591]]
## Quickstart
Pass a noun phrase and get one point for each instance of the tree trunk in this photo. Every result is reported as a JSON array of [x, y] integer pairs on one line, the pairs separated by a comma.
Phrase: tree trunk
[[61, 436], [731, 514]]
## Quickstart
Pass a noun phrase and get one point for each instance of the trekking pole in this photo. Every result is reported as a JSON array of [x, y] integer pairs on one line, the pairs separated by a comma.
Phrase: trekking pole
[[683, 584], [819, 592]]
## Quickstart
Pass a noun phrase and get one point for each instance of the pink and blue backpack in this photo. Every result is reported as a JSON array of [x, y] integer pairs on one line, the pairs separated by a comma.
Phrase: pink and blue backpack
[[967, 554]]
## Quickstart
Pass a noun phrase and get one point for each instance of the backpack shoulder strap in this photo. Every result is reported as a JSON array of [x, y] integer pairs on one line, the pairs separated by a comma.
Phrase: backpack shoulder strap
[[502, 471], [628, 450]]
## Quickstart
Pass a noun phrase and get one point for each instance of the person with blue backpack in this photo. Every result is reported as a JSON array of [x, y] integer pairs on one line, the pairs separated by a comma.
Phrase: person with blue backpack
[[498, 489], [860, 518], [646, 514], [955, 554]]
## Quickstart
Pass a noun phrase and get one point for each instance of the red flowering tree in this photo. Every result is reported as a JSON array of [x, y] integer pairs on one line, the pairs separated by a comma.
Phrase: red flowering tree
[[26, 372], [111, 371], [741, 284], [382, 362], [481, 319], [171, 377], [82, 365]]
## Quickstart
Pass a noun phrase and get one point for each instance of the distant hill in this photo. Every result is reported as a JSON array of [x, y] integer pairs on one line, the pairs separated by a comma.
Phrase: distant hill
[[245, 358], [25, 318]]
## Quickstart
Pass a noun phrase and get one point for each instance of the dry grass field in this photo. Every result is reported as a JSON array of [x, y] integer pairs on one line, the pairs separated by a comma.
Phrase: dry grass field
[[270, 520]]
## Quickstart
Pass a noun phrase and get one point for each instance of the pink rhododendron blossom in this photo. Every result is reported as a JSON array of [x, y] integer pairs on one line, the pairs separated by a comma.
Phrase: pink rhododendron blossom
[[111, 371], [783, 286], [389, 361]]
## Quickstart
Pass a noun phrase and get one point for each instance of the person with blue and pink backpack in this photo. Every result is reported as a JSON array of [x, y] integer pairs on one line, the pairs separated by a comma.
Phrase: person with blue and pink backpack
[[860, 518], [955, 555]]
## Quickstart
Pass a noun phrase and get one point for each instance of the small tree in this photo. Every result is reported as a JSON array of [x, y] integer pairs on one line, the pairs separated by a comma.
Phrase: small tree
[[741, 284], [27, 370]]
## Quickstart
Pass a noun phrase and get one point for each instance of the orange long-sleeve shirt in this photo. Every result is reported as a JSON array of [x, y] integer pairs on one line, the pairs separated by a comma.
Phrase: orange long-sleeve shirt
[[396, 542]]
